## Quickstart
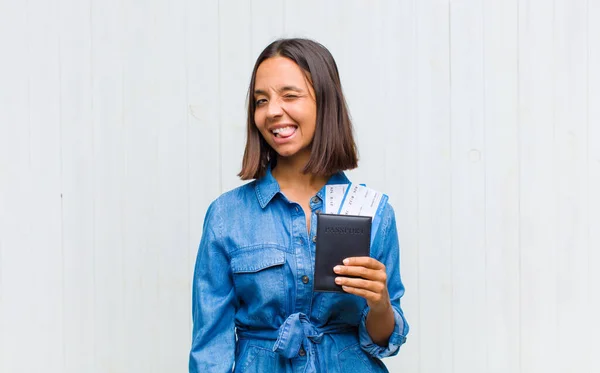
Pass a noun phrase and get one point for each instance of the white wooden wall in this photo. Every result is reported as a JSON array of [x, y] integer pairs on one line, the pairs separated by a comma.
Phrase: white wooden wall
[[120, 120]]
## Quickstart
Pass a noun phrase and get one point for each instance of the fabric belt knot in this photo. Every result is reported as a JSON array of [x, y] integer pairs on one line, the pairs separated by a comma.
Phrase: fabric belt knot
[[297, 331]]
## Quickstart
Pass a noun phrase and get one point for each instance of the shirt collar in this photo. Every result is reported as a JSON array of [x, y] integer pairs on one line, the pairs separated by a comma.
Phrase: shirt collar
[[267, 187]]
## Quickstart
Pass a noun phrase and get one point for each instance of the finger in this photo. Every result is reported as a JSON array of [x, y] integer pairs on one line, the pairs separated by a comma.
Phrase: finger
[[370, 296], [358, 283], [363, 272], [364, 261]]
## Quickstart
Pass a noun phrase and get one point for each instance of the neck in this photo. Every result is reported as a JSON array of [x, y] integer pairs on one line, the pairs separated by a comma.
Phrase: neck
[[288, 174]]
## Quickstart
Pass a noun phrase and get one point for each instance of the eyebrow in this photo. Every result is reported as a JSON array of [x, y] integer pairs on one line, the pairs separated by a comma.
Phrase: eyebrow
[[290, 88], [283, 89]]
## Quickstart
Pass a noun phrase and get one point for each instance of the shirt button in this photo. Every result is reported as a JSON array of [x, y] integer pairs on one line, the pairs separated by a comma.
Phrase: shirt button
[[315, 239], [315, 199], [317, 212], [301, 352], [305, 279]]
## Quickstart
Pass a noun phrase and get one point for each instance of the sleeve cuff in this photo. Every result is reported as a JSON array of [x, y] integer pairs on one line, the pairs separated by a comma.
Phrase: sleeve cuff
[[397, 338]]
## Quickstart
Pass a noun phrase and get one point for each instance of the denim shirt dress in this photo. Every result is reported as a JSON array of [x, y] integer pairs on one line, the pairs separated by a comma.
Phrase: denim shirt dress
[[253, 304]]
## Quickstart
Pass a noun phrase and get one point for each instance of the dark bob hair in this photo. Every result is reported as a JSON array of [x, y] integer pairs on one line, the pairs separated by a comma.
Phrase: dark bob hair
[[333, 148]]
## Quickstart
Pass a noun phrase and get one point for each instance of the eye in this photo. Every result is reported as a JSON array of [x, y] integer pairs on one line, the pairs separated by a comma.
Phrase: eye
[[290, 96], [260, 102]]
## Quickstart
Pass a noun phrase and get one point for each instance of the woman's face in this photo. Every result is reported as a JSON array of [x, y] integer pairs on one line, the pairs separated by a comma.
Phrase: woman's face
[[286, 111]]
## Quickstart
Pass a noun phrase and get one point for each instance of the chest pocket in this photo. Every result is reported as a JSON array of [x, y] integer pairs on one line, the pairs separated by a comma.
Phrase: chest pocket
[[260, 281]]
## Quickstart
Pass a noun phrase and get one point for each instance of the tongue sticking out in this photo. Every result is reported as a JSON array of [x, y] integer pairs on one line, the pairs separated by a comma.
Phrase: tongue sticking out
[[286, 132]]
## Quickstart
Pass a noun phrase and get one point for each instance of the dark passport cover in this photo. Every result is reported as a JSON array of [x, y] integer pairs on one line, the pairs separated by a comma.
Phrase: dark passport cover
[[338, 237]]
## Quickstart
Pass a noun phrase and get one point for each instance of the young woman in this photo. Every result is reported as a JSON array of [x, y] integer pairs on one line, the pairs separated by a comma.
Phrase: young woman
[[254, 308]]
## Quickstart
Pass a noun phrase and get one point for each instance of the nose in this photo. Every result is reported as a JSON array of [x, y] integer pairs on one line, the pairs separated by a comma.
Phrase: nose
[[274, 109]]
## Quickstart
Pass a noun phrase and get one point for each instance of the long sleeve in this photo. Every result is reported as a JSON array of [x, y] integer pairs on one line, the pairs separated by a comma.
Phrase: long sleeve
[[213, 302], [386, 249]]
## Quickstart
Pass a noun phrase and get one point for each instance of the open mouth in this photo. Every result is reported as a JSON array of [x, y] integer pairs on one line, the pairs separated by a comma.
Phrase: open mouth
[[284, 132]]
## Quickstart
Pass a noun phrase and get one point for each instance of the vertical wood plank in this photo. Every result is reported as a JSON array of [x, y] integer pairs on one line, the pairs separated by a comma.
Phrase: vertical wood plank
[[43, 276], [593, 165], [500, 29], [141, 102], [301, 20], [236, 64], [363, 79], [16, 205], [468, 154], [538, 223], [44, 154], [397, 135], [110, 303], [203, 97], [571, 136], [267, 25], [435, 186], [77, 185], [172, 199]]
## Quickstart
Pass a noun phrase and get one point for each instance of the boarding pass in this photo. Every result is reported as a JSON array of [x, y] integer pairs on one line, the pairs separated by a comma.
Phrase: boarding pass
[[355, 199]]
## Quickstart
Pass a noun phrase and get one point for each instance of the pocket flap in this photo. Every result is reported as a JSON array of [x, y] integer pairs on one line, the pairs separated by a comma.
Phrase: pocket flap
[[256, 259]]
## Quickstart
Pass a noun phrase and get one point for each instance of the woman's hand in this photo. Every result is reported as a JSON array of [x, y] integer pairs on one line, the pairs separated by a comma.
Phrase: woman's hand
[[371, 283]]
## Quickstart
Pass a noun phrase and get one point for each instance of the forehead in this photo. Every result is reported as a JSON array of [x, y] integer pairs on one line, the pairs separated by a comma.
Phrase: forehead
[[277, 71]]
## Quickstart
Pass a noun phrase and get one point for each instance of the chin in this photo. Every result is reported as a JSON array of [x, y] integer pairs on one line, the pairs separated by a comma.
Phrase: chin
[[286, 154], [289, 153]]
